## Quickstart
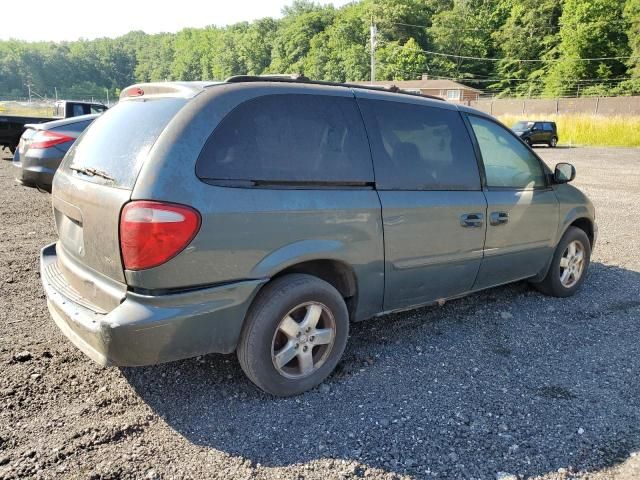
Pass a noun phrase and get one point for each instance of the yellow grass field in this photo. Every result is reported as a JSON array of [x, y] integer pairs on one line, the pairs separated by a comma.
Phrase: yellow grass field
[[14, 108], [620, 131]]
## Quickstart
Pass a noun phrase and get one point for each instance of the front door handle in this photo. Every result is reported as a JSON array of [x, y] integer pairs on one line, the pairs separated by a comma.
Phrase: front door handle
[[473, 220], [498, 218]]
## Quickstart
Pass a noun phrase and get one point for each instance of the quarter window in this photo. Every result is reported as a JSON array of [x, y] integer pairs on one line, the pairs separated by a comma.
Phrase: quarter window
[[418, 147], [289, 138], [507, 161]]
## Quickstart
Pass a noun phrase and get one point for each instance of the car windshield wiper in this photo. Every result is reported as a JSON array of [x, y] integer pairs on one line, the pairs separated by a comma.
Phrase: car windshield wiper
[[91, 172]]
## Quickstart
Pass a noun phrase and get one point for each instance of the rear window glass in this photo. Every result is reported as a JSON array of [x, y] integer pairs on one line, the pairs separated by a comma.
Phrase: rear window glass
[[289, 138], [74, 127], [119, 140], [417, 147], [78, 110]]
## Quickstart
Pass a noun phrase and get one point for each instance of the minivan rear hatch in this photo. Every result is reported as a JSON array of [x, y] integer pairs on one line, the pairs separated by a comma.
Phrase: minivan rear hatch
[[93, 184]]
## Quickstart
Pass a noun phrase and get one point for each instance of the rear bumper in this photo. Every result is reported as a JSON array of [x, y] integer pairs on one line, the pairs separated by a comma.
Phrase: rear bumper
[[146, 330], [33, 175]]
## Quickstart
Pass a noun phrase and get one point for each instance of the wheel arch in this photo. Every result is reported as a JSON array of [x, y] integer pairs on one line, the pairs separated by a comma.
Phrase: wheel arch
[[324, 259], [335, 272], [584, 223]]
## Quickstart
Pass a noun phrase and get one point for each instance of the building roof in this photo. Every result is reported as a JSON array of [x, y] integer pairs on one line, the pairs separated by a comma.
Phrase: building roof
[[422, 84]]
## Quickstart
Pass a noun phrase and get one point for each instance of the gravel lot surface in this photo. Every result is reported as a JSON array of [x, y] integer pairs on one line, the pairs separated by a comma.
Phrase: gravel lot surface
[[502, 384]]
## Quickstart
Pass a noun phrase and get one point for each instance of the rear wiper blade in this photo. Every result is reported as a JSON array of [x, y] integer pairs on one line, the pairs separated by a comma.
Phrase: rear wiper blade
[[91, 172]]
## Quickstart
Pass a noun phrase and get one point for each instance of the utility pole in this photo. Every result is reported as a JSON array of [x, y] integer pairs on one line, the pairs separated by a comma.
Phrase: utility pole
[[373, 31], [56, 90], [29, 87]]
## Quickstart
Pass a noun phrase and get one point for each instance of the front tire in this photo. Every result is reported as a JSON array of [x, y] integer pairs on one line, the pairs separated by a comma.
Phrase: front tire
[[569, 265], [294, 335]]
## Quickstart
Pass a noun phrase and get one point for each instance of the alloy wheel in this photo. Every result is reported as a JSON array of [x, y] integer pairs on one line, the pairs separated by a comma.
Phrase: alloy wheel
[[303, 340], [572, 264]]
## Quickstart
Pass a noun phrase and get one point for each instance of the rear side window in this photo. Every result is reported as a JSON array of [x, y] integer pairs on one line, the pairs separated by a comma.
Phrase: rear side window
[[120, 139], [289, 138], [417, 147], [548, 127]]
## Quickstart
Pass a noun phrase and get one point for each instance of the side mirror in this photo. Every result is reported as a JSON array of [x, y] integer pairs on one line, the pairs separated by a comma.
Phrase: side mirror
[[564, 173]]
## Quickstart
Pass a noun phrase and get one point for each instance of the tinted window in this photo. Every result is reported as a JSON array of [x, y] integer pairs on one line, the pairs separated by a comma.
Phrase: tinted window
[[507, 161], [547, 127], [120, 139], [289, 138], [74, 127], [522, 126], [417, 147], [78, 110], [97, 108]]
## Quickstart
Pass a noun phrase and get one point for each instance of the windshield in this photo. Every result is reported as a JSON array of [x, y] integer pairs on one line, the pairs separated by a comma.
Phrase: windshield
[[522, 126], [117, 143]]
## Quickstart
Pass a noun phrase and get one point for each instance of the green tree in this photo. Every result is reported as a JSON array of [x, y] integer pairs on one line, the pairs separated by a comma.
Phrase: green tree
[[463, 31], [255, 44], [529, 32], [588, 29], [406, 62], [340, 52], [292, 42], [632, 17]]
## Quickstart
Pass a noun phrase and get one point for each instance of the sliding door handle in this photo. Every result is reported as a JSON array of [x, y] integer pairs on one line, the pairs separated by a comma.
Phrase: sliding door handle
[[498, 218], [473, 220]]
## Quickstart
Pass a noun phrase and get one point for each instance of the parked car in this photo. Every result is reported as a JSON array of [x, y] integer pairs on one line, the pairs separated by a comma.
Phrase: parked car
[[42, 147], [12, 127], [534, 133], [265, 215]]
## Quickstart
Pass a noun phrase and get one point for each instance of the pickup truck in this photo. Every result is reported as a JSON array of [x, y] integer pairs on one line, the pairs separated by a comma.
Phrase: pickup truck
[[12, 127]]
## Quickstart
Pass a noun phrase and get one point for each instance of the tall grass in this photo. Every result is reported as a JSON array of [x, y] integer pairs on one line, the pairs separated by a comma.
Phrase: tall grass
[[21, 109], [619, 131]]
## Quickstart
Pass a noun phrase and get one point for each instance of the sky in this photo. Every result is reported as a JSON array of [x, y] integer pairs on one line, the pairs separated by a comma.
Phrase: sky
[[73, 19]]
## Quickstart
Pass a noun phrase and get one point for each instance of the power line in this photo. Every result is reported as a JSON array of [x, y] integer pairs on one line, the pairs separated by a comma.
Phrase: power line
[[534, 80], [466, 57], [541, 27]]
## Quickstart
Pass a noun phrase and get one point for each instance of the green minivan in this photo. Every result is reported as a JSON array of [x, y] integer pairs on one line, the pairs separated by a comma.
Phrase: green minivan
[[263, 215]]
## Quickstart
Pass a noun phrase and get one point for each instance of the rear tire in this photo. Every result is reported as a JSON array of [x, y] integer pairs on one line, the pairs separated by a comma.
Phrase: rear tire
[[553, 143], [294, 335], [569, 265]]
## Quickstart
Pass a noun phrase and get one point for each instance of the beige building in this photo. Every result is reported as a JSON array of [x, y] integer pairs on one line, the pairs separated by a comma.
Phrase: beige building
[[447, 89]]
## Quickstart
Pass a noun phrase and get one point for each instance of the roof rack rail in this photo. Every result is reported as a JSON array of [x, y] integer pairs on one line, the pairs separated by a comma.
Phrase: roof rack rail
[[298, 78]]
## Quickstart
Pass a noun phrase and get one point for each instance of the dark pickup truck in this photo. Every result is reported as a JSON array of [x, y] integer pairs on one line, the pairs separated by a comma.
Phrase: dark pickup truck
[[12, 127]]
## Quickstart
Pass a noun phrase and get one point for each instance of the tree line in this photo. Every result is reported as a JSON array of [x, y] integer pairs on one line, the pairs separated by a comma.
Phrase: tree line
[[505, 47]]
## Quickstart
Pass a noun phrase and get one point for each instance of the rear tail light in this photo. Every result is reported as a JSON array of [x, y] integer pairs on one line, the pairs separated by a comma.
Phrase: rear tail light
[[152, 233], [46, 139]]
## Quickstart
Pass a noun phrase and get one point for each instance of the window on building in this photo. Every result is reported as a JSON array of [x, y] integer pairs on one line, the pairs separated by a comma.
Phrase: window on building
[[453, 94]]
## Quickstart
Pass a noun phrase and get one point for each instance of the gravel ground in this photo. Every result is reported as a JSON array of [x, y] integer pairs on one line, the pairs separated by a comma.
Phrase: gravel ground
[[504, 382]]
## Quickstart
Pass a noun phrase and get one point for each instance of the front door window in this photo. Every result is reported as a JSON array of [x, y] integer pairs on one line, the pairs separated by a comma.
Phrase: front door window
[[507, 162]]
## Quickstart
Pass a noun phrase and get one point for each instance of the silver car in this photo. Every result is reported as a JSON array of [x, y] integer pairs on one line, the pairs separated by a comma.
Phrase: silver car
[[42, 147]]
